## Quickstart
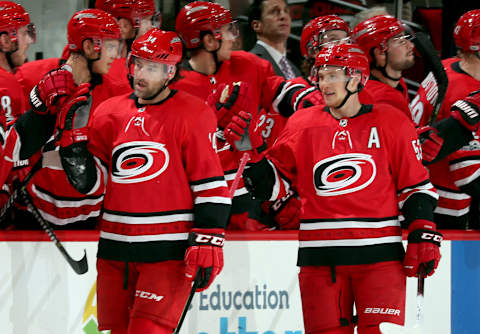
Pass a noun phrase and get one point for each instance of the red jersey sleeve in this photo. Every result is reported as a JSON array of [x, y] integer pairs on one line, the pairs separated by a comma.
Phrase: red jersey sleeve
[[409, 175]]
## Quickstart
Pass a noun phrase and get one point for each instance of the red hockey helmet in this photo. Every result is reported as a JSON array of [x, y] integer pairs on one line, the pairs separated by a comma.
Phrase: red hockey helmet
[[201, 16], [467, 31], [92, 24], [313, 30], [375, 32], [159, 46], [350, 57], [12, 17], [132, 10]]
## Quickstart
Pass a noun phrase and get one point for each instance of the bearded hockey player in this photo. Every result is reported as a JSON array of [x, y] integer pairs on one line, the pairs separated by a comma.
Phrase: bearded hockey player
[[166, 200], [353, 187], [387, 44]]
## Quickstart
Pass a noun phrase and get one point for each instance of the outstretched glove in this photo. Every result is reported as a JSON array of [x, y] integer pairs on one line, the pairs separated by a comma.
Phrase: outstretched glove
[[423, 248], [430, 141], [51, 91], [73, 117], [204, 256], [285, 211], [467, 111], [245, 136], [229, 100]]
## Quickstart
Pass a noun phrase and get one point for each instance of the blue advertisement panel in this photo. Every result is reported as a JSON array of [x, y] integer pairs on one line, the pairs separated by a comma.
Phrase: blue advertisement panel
[[465, 287]]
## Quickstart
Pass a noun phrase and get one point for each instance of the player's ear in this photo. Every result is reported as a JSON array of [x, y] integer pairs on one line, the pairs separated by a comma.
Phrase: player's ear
[[380, 56], [89, 49], [257, 26], [209, 42], [5, 42]]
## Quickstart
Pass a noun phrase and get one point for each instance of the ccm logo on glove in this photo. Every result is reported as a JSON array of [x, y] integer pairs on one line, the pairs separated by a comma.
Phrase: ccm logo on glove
[[210, 239], [431, 236]]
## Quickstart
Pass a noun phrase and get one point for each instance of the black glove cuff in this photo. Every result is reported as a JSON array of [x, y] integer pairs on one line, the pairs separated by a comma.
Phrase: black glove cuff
[[419, 236], [199, 239]]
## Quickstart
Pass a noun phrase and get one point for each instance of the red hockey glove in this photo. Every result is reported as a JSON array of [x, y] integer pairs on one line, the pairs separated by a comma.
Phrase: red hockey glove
[[244, 137], [73, 117], [229, 100], [423, 248], [431, 142], [467, 111], [307, 97], [51, 91], [204, 256], [286, 211]]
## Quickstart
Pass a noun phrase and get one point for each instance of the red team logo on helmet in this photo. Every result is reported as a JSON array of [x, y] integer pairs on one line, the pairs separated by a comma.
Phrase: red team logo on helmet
[[92, 24], [347, 56], [375, 32], [200, 16], [12, 17], [467, 31], [311, 33], [138, 161], [343, 174]]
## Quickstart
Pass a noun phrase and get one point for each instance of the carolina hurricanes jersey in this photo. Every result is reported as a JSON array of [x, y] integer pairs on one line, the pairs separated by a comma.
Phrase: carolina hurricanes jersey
[[164, 176], [242, 66], [460, 168], [353, 176], [12, 105], [383, 93], [460, 84], [30, 73], [51, 192], [11, 96]]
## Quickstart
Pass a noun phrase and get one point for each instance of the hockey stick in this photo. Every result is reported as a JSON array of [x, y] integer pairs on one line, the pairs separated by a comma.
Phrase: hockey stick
[[187, 304], [389, 328], [241, 167], [426, 49], [80, 266]]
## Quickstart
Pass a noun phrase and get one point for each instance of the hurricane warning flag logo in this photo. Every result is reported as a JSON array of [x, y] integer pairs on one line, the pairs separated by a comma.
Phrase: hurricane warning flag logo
[[138, 161], [343, 174]]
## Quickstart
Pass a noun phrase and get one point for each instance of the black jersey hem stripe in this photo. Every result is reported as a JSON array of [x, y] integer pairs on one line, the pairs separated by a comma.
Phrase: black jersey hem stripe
[[328, 256]]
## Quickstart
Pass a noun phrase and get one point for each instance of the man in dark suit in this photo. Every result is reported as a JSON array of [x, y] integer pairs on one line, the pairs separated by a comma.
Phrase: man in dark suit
[[270, 19]]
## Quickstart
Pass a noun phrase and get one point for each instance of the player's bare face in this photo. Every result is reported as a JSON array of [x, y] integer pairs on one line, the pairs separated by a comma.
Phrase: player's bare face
[[225, 50], [400, 53], [110, 49], [275, 20], [127, 31], [230, 33], [24, 40], [148, 77], [331, 83]]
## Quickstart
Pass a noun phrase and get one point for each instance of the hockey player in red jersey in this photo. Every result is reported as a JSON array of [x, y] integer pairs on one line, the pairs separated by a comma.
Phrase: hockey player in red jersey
[[135, 17], [18, 33], [208, 32], [456, 177], [93, 42], [387, 44], [356, 169], [151, 143]]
